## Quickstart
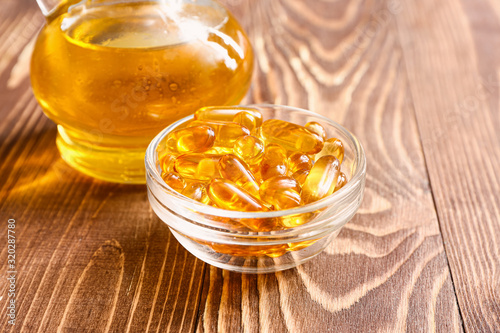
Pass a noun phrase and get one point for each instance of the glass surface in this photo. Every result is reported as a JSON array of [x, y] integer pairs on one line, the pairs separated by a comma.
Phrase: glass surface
[[214, 235], [112, 74]]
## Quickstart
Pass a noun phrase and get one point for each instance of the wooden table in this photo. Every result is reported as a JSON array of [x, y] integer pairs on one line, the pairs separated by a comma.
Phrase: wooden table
[[417, 81]]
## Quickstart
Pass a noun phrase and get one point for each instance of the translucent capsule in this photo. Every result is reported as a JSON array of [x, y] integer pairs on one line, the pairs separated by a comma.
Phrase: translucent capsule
[[234, 169], [250, 149], [174, 180], [274, 162], [281, 192], [190, 139], [316, 128], [226, 133], [218, 151], [333, 147], [299, 161], [300, 176], [321, 180], [200, 167], [246, 119], [277, 252], [341, 181], [226, 113], [227, 195], [167, 164], [250, 250], [162, 151], [196, 191], [290, 136], [292, 221], [300, 245], [285, 199]]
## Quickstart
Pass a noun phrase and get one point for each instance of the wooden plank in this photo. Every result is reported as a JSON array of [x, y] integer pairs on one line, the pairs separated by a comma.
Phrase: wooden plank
[[451, 50], [387, 270], [90, 256]]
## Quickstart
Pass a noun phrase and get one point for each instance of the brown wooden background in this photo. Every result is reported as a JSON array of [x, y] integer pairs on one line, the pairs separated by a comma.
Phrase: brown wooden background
[[417, 81]]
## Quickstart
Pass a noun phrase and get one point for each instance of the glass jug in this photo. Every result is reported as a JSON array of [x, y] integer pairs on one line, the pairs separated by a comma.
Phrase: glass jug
[[113, 73]]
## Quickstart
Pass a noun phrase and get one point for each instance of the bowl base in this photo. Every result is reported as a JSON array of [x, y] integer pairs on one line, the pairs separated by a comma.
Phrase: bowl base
[[254, 264]]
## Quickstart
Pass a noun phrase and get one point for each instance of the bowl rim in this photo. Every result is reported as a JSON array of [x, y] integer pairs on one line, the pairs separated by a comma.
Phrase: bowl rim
[[334, 199]]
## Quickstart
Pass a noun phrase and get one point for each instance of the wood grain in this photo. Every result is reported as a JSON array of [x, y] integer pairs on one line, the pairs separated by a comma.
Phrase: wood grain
[[92, 257], [455, 79], [387, 270]]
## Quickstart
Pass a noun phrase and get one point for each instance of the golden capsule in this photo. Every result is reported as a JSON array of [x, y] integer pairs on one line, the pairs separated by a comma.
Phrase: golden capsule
[[167, 163], [226, 133], [226, 113], [299, 161], [301, 176], [260, 224], [321, 180], [232, 168], [341, 181], [300, 245], [316, 128], [281, 192], [250, 149], [274, 162], [246, 119], [190, 139], [249, 250], [333, 147], [196, 191], [276, 251], [295, 220], [270, 186], [200, 167], [162, 151], [227, 195], [218, 151], [174, 180], [290, 136]]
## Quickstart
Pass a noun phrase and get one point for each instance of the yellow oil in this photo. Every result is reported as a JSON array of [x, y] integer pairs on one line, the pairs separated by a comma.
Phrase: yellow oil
[[113, 76]]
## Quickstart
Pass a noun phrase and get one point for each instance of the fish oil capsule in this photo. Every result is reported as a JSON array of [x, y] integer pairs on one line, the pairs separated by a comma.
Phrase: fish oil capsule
[[174, 180], [341, 181], [299, 161], [227, 195], [316, 128], [226, 133], [234, 169], [246, 119], [321, 180], [200, 167], [333, 147], [300, 176], [300, 245], [276, 251], [218, 151], [167, 164], [284, 199], [290, 136], [294, 220], [196, 191], [226, 113], [190, 139], [250, 149], [274, 162], [281, 192]]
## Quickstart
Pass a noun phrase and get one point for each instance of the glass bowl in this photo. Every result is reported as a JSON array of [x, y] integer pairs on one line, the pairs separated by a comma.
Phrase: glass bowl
[[217, 236]]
